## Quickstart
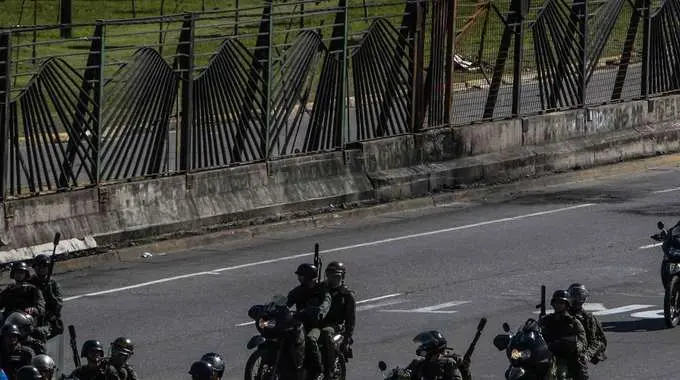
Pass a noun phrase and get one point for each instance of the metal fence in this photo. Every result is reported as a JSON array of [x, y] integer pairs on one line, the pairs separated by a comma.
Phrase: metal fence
[[121, 100]]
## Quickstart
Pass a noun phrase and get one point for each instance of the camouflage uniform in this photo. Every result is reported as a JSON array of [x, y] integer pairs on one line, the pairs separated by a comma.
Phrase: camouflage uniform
[[314, 303], [87, 372], [597, 342], [567, 340], [52, 324], [124, 372]]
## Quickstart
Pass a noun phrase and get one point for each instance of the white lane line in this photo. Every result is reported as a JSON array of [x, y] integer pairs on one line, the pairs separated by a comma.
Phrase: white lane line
[[358, 302], [337, 249], [666, 190], [380, 304], [651, 246]]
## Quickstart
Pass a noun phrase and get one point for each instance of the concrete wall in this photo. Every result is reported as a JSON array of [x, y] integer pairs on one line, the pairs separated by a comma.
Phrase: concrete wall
[[378, 170]]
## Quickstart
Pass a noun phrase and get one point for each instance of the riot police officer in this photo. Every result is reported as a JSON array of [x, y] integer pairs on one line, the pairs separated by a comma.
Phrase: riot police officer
[[52, 325], [121, 350], [437, 361], [565, 336], [312, 302], [597, 341], [28, 372], [12, 354], [217, 363], [22, 295], [341, 317], [95, 368]]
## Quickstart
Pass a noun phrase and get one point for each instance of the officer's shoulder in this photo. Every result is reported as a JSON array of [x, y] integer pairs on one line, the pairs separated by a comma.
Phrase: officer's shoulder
[[347, 291]]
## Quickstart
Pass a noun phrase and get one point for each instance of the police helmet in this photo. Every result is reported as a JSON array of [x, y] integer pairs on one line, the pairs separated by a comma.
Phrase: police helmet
[[89, 345], [23, 321], [560, 295], [41, 260], [307, 270], [336, 267], [28, 372], [216, 361], [578, 293], [429, 342], [19, 267], [201, 370], [9, 330], [123, 345], [43, 363]]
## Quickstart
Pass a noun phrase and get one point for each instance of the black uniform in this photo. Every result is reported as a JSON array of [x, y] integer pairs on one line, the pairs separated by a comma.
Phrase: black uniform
[[54, 300]]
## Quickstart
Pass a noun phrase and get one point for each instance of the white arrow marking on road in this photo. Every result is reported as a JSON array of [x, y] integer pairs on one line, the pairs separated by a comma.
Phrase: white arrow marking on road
[[379, 304], [358, 303], [432, 309], [651, 246], [666, 190], [622, 309], [650, 314], [338, 249]]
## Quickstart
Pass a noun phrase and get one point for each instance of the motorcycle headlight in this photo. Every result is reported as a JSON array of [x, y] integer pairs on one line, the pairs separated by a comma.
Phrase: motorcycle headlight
[[263, 323], [516, 354]]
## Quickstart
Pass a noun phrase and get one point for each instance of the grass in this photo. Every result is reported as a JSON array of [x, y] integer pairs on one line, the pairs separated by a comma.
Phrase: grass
[[485, 30]]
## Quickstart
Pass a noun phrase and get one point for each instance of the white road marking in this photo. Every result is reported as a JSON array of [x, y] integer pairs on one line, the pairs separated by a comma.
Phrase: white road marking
[[431, 309], [666, 190], [337, 249], [651, 246], [380, 304], [622, 309], [358, 303], [649, 314]]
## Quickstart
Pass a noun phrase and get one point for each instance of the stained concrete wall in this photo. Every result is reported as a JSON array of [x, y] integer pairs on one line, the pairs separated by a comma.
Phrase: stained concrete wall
[[378, 170]]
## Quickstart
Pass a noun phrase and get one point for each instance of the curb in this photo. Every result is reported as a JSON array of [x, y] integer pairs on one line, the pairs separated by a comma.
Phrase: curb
[[459, 198]]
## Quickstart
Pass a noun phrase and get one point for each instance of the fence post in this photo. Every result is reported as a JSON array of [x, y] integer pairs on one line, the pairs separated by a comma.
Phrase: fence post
[[269, 74], [100, 32], [5, 86], [646, 41], [450, 51], [186, 64], [344, 104], [583, 59], [417, 73], [522, 8]]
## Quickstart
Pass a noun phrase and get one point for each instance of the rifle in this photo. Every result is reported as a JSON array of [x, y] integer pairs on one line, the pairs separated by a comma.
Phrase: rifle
[[471, 349], [542, 304], [74, 347], [317, 262], [57, 237]]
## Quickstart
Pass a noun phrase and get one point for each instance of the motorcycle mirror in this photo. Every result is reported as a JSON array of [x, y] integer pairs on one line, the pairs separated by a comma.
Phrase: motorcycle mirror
[[506, 327], [660, 225], [501, 341], [57, 237], [382, 365]]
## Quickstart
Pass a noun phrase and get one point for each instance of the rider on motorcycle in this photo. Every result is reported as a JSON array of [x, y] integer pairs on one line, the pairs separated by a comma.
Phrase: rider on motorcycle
[[312, 302], [51, 325], [437, 362], [597, 341], [30, 336], [45, 365], [121, 350], [341, 317], [94, 369], [566, 337], [13, 355], [22, 295]]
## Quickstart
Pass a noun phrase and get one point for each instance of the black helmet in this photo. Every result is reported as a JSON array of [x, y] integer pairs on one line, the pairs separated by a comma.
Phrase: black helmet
[[23, 321], [19, 267], [562, 295], [10, 330], [41, 260], [336, 266], [578, 293], [216, 361], [201, 370], [429, 342], [43, 363], [307, 270], [89, 345], [28, 372], [123, 345]]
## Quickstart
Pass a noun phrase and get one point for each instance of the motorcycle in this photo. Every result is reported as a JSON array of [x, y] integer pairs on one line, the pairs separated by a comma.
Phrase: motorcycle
[[670, 271], [275, 345], [527, 351]]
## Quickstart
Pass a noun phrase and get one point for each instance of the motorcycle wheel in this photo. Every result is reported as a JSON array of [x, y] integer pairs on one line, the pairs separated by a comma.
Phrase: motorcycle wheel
[[671, 300], [256, 369]]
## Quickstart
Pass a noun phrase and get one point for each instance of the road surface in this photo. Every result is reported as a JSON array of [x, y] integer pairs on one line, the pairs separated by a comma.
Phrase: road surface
[[442, 268]]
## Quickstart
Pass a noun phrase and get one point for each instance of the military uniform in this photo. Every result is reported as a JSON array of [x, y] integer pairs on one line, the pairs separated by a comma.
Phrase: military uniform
[[124, 372], [52, 324], [21, 297], [314, 303], [567, 340], [86, 372], [597, 342]]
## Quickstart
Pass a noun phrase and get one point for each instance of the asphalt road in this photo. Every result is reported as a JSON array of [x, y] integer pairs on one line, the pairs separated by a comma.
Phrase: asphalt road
[[468, 106], [442, 268]]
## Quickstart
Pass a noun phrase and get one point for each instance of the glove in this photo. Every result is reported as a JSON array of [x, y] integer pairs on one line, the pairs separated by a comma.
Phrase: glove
[[464, 364]]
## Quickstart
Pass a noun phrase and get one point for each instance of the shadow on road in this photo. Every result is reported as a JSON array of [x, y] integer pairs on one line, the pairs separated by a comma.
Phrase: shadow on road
[[634, 326]]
